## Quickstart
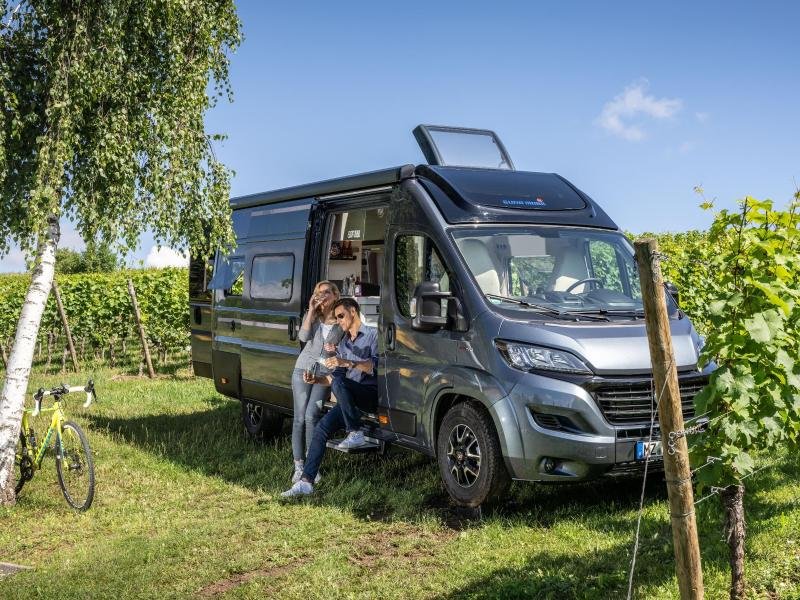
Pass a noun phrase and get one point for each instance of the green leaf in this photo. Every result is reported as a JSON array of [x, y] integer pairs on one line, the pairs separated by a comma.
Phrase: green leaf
[[759, 328], [743, 463], [717, 307]]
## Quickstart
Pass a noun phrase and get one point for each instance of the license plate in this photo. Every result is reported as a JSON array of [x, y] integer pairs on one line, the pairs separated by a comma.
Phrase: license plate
[[651, 449]]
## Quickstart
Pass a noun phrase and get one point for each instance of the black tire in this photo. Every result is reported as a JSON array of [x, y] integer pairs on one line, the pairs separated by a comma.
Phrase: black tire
[[75, 466], [21, 451], [260, 422], [469, 456]]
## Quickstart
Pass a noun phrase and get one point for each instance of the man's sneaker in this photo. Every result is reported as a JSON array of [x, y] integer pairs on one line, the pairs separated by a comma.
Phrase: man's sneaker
[[301, 488], [298, 472], [317, 478], [354, 439]]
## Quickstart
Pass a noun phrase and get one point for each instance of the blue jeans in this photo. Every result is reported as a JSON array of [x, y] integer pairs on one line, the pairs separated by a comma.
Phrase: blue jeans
[[308, 399], [351, 398]]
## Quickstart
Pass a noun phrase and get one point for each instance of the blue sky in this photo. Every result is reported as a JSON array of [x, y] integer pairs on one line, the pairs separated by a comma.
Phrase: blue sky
[[633, 102]]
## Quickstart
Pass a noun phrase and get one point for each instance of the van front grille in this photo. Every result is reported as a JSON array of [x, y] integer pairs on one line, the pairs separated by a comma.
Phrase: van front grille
[[634, 402]]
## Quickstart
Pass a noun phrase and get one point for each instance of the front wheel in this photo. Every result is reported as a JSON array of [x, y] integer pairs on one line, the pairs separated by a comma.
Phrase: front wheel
[[469, 457], [75, 466], [260, 422]]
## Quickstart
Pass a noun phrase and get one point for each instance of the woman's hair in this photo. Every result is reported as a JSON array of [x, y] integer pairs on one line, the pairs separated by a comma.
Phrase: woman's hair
[[334, 289]]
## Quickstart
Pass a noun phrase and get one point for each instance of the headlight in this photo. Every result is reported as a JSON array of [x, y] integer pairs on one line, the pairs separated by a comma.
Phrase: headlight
[[526, 357]]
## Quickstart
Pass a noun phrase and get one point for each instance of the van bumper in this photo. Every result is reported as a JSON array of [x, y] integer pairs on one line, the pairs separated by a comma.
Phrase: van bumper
[[553, 430]]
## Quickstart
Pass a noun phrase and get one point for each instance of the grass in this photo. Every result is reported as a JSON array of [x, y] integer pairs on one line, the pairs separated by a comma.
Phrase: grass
[[186, 506]]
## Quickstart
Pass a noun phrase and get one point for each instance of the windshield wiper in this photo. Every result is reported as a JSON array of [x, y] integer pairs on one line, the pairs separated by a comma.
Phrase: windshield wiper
[[614, 312], [562, 314]]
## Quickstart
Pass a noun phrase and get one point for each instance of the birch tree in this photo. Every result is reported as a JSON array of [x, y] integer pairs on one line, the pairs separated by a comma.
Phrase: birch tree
[[101, 122]]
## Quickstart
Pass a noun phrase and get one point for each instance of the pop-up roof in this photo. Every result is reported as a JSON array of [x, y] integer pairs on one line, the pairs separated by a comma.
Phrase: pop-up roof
[[462, 147]]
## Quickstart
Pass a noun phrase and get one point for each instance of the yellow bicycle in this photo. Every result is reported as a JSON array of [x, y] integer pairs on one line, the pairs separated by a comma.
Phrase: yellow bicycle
[[74, 463]]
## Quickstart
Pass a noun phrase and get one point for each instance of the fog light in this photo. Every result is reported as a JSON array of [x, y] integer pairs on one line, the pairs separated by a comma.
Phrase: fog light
[[549, 465]]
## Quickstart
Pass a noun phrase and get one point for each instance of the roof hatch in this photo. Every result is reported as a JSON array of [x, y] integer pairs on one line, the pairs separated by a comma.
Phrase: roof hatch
[[462, 147]]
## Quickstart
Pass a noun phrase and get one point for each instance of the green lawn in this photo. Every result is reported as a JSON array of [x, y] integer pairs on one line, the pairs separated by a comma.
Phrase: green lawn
[[186, 506]]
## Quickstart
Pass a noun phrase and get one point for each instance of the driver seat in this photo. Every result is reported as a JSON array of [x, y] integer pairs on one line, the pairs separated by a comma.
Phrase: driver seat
[[570, 267]]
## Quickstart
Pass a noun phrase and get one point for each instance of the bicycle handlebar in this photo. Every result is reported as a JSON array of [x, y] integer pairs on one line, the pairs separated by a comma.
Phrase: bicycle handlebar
[[62, 390]]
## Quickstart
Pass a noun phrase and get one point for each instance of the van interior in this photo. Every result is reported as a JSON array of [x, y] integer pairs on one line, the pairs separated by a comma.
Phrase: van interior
[[356, 240]]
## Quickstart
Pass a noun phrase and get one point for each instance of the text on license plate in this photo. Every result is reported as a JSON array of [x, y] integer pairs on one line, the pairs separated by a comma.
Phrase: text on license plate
[[651, 449]]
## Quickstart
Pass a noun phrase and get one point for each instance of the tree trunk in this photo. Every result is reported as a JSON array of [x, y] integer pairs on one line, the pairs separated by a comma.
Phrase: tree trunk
[[12, 400], [733, 501]]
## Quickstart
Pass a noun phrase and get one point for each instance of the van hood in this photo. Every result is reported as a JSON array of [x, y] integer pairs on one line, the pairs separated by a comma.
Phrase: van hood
[[608, 348]]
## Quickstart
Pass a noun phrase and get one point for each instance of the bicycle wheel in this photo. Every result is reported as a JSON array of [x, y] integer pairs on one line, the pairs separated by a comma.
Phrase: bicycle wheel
[[75, 467]]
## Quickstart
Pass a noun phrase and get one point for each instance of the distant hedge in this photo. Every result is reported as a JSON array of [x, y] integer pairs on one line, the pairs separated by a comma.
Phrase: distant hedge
[[100, 313]]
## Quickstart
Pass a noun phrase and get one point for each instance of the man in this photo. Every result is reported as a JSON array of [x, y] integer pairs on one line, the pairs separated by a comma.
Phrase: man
[[353, 382]]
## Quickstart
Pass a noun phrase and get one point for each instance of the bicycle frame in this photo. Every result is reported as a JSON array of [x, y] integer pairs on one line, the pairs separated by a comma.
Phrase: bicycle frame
[[56, 426]]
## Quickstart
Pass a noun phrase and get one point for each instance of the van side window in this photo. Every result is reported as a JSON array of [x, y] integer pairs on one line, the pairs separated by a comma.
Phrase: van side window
[[272, 277], [228, 275], [416, 259]]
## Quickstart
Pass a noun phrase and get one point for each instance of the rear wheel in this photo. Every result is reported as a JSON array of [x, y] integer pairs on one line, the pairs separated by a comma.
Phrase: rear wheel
[[75, 466], [260, 422], [23, 464], [469, 457]]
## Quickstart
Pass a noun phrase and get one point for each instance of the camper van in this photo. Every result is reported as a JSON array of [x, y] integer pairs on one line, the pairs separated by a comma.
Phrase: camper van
[[512, 340]]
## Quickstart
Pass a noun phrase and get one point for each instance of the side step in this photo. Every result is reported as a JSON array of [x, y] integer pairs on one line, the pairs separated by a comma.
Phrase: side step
[[373, 445]]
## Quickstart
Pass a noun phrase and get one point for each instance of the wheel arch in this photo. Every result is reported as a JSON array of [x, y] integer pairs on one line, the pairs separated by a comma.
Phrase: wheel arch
[[482, 390]]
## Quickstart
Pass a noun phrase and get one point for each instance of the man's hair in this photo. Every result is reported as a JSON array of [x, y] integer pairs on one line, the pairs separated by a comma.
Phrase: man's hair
[[348, 303]]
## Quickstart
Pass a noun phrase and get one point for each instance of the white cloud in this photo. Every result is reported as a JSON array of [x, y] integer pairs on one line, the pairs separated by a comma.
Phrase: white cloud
[[635, 102], [702, 117], [158, 258]]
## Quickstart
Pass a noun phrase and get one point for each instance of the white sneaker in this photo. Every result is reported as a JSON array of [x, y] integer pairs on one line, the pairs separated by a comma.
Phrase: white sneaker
[[301, 488], [317, 478], [298, 472], [354, 439]]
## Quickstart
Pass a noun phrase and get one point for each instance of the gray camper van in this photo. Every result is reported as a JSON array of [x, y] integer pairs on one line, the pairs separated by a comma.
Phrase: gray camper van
[[512, 339]]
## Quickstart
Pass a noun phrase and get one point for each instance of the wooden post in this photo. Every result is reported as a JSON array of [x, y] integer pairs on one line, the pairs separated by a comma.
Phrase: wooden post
[[670, 415], [145, 348], [64, 322]]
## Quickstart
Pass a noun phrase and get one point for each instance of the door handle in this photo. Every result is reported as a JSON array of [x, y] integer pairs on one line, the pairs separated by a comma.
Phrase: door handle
[[390, 336]]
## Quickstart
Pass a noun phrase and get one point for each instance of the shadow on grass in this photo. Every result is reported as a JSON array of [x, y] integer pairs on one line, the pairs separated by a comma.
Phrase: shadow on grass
[[402, 484], [583, 573]]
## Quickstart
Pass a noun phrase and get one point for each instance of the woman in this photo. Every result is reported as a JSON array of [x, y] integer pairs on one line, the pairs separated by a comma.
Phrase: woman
[[308, 397]]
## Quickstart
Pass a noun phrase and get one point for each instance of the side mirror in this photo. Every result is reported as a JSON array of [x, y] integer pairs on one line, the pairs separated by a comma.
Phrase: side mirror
[[673, 291], [428, 300]]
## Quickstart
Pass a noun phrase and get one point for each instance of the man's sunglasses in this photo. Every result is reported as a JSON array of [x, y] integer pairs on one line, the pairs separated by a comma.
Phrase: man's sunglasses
[[340, 316]]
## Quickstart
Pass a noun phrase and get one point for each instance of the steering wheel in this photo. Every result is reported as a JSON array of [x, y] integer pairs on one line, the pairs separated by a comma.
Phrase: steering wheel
[[594, 280]]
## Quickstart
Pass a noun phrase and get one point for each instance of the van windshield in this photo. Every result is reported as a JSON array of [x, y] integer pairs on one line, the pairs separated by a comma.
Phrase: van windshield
[[556, 271]]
